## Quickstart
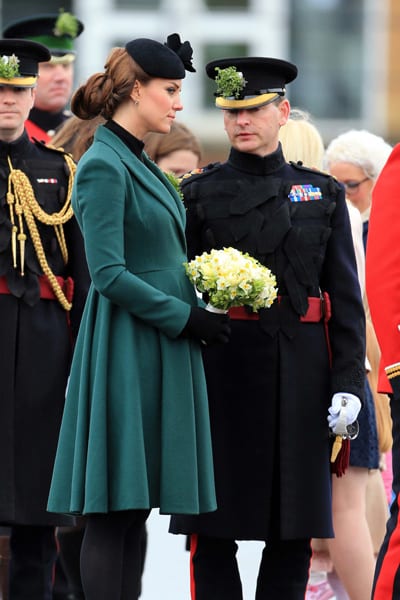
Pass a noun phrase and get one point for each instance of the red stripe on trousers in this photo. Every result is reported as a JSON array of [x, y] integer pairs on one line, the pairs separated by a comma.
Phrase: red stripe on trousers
[[193, 548], [389, 567]]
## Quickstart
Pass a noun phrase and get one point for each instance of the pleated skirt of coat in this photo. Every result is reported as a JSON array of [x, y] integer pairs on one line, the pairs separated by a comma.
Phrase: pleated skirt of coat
[[135, 432]]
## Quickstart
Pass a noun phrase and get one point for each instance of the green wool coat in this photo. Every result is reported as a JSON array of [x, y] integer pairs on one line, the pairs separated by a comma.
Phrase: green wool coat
[[135, 431]]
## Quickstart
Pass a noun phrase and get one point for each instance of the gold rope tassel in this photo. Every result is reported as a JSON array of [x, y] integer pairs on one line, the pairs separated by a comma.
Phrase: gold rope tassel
[[21, 237], [336, 447], [27, 206], [11, 202]]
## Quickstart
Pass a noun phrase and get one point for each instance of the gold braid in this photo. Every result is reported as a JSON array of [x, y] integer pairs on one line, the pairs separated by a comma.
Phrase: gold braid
[[22, 203]]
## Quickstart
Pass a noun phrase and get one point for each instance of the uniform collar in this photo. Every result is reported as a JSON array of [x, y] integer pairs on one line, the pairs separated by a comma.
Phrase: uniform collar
[[257, 165], [18, 147], [46, 120]]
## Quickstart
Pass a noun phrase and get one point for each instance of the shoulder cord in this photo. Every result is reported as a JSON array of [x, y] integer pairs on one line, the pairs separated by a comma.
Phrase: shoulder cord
[[22, 203]]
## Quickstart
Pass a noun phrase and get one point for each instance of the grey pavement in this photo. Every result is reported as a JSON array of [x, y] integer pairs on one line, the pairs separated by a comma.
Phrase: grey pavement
[[166, 573]]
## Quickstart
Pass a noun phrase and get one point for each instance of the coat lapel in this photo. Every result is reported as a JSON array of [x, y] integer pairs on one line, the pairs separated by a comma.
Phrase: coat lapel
[[155, 183]]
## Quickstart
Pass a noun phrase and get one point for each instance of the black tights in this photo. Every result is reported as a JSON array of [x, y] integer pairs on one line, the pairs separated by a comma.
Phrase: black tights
[[111, 560]]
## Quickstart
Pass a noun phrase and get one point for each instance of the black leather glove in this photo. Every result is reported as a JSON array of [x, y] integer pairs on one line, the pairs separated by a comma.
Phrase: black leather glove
[[208, 327]]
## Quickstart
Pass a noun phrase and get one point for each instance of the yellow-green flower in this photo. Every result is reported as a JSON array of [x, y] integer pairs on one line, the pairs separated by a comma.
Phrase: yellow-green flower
[[175, 182], [232, 278], [230, 82], [9, 66], [66, 24]]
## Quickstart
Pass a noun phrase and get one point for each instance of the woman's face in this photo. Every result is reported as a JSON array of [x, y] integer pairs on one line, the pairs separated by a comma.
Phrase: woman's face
[[179, 162], [357, 183], [157, 104]]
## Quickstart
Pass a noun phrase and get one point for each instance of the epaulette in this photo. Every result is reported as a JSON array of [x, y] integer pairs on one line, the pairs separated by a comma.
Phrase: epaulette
[[299, 165], [69, 161], [333, 185], [49, 147], [199, 172]]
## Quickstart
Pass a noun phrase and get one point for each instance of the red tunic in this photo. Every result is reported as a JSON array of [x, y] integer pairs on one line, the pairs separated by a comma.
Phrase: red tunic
[[383, 266], [36, 132]]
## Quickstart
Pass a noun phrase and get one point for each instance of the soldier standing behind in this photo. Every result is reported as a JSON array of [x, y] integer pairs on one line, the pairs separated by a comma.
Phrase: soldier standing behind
[[43, 286], [54, 88]]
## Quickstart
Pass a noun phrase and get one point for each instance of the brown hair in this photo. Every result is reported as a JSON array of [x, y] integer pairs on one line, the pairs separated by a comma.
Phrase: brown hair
[[104, 92], [179, 137], [75, 135]]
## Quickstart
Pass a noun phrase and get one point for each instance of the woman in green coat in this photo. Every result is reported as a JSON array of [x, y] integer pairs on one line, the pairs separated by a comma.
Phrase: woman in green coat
[[135, 431]]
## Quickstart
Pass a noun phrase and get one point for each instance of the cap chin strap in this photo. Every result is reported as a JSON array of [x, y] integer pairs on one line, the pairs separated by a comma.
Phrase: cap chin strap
[[250, 102]]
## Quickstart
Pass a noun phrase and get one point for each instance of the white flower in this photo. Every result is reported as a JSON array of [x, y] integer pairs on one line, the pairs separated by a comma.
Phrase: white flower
[[232, 278]]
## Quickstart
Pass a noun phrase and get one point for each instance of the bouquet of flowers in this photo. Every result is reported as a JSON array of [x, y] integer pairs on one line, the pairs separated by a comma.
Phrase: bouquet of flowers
[[232, 278]]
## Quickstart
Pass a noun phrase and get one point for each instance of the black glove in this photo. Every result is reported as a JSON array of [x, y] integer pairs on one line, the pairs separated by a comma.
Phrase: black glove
[[210, 328]]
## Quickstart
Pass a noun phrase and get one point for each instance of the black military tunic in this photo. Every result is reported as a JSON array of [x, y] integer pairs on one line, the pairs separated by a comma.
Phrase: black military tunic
[[36, 336], [271, 386]]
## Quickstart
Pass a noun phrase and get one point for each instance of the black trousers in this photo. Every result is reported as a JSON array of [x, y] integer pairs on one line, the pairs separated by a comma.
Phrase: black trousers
[[33, 552], [283, 571]]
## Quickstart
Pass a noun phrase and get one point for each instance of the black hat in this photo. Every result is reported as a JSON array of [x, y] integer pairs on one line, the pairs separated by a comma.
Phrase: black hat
[[56, 31], [19, 62], [249, 82], [169, 60]]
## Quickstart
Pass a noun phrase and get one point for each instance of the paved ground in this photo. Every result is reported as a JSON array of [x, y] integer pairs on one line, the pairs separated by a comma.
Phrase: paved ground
[[166, 575]]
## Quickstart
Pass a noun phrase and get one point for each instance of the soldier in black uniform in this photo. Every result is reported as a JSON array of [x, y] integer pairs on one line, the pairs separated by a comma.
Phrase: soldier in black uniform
[[57, 31], [43, 285], [276, 390]]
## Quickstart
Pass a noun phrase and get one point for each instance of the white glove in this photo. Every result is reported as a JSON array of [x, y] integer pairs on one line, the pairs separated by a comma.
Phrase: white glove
[[343, 412]]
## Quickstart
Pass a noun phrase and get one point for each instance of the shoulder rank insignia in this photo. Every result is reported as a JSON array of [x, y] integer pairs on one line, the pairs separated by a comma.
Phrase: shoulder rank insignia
[[191, 176], [304, 193], [190, 173]]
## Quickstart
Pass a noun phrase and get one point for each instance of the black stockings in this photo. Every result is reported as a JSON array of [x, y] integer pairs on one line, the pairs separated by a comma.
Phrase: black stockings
[[111, 555]]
